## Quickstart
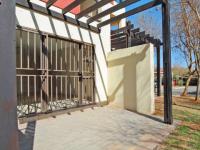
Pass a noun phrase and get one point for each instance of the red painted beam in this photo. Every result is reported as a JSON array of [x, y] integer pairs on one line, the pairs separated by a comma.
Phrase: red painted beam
[[63, 3]]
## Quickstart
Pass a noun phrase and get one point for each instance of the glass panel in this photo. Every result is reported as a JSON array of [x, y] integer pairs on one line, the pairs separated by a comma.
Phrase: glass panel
[[38, 51], [31, 50], [49, 52], [18, 37], [63, 96], [19, 90], [59, 87], [53, 54], [38, 88], [24, 49], [31, 89], [25, 90], [72, 56], [68, 62], [63, 55], [49, 88], [76, 57], [54, 86], [59, 52]]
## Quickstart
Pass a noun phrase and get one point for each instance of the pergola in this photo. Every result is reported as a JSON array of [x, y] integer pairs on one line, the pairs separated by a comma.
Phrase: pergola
[[7, 45], [129, 36]]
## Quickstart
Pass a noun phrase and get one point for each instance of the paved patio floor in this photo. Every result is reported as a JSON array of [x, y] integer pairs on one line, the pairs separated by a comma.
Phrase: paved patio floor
[[101, 128]]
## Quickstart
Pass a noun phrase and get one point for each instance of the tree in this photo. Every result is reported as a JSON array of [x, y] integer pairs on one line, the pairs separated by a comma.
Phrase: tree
[[150, 24], [186, 35], [177, 69]]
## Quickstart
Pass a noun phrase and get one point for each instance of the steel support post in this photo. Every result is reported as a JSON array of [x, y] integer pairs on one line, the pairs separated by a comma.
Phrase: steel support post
[[167, 63], [158, 69], [8, 98]]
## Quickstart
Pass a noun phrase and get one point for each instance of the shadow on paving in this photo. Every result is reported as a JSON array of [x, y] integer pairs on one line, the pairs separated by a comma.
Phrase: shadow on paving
[[155, 118], [26, 138]]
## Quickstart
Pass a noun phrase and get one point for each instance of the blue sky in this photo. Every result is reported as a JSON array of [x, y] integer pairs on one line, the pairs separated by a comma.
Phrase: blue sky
[[156, 14]]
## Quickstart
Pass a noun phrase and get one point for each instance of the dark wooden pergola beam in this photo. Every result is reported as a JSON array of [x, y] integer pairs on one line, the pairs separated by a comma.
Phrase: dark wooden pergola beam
[[136, 35], [117, 35], [139, 35], [120, 44], [133, 31], [131, 12], [135, 42], [111, 10], [118, 40], [139, 38], [122, 29], [151, 39], [146, 36], [96, 6], [50, 3], [72, 6]]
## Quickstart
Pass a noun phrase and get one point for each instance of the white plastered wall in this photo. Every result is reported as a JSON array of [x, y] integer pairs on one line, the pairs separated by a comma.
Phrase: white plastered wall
[[131, 78], [34, 20]]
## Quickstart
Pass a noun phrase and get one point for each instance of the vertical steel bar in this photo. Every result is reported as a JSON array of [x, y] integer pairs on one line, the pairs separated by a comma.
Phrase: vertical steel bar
[[51, 69], [21, 49], [93, 71], [81, 72], [61, 86], [28, 43], [28, 93], [158, 70], [70, 88], [40, 77], [70, 56], [74, 56], [65, 62], [35, 93], [66, 91], [61, 61], [51, 54], [28, 83], [21, 90], [47, 70], [51, 89], [41, 101], [34, 50], [74, 89], [41, 54], [56, 54]]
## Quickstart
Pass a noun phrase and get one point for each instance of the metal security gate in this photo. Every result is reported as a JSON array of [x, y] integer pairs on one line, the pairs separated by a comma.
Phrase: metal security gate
[[52, 73]]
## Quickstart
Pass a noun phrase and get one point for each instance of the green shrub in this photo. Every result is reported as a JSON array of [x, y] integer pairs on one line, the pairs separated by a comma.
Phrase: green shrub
[[180, 82]]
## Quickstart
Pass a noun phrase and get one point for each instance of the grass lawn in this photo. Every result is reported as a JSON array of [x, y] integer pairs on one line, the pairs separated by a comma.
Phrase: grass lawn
[[187, 134]]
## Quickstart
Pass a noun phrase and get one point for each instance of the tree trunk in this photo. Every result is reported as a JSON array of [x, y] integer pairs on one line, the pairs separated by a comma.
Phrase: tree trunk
[[197, 91], [187, 85]]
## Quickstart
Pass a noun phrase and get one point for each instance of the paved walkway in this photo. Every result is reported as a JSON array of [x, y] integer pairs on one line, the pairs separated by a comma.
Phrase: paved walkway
[[101, 128]]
